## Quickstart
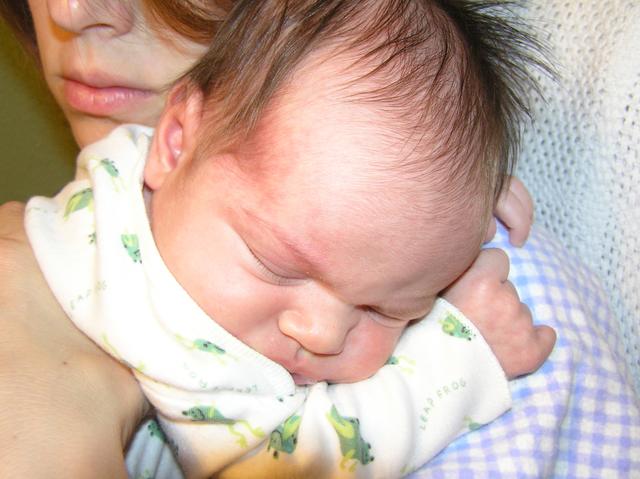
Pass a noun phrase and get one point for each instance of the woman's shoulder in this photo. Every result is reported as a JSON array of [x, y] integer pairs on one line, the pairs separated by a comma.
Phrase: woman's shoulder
[[14, 246]]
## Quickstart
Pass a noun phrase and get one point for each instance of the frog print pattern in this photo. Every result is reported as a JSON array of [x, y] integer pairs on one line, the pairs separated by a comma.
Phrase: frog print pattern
[[285, 437], [454, 327], [211, 414], [208, 347], [109, 167], [78, 201], [132, 246], [205, 346], [154, 430], [353, 447], [403, 362], [471, 424]]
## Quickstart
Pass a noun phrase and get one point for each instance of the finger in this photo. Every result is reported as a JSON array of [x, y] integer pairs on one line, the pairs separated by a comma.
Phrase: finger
[[492, 262], [514, 215], [546, 338], [533, 355], [513, 291], [518, 190], [521, 192]]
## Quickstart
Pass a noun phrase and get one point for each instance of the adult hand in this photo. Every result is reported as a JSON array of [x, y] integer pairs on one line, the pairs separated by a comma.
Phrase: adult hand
[[515, 210], [66, 408], [491, 302]]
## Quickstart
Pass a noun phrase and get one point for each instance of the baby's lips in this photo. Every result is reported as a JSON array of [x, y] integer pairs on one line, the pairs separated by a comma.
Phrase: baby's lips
[[301, 380]]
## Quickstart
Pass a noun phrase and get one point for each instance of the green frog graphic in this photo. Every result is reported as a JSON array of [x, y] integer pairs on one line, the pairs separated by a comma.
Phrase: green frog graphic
[[405, 363], [132, 245], [207, 346], [352, 445], [285, 437], [212, 415], [471, 424], [109, 167], [79, 200], [453, 327], [154, 431], [146, 474]]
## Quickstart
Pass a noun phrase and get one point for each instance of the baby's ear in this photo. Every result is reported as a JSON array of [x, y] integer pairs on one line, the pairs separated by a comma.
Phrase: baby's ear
[[175, 137]]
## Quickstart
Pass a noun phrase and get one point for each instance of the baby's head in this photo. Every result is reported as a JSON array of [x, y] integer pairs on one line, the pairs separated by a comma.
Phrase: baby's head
[[331, 167]]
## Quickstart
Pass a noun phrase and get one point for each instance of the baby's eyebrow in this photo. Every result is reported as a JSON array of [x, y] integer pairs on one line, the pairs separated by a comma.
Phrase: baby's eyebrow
[[294, 249]]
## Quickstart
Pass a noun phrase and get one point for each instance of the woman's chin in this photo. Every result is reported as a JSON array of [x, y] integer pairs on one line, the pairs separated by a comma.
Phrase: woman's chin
[[87, 129]]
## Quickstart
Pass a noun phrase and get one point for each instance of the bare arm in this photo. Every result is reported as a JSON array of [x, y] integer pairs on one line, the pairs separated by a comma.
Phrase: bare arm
[[66, 408]]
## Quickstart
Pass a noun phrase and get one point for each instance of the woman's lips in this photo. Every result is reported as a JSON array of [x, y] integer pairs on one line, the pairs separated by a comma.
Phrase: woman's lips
[[102, 101]]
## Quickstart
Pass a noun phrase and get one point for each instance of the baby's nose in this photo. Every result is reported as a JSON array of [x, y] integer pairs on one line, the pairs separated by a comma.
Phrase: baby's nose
[[318, 332]]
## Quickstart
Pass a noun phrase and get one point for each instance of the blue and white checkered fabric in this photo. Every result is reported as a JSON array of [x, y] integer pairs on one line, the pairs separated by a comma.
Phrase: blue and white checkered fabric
[[578, 416]]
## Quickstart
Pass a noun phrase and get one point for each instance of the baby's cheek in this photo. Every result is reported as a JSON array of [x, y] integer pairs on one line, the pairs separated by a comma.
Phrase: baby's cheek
[[387, 340], [372, 348]]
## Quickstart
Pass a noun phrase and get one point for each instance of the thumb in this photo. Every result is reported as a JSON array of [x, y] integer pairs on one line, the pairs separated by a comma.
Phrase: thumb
[[492, 262], [546, 337]]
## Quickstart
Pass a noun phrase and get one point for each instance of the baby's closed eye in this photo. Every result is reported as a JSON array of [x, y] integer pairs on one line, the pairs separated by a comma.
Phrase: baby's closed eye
[[273, 274], [384, 319]]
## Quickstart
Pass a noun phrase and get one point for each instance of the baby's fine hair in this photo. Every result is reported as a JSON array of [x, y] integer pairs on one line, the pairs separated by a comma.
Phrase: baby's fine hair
[[454, 74]]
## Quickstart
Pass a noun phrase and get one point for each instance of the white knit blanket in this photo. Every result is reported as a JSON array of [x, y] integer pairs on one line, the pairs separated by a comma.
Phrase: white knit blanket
[[581, 157]]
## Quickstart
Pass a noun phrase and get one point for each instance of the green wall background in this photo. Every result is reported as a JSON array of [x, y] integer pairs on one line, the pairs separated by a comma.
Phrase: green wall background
[[37, 149]]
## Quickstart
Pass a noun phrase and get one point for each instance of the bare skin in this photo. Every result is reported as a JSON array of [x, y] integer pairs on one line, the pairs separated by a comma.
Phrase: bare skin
[[363, 310], [92, 404], [77, 406], [515, 210], [61, 395], [485, 293]]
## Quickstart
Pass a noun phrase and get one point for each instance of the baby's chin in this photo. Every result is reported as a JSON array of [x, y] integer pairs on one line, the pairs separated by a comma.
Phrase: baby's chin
[[338, 369], [302, 380]]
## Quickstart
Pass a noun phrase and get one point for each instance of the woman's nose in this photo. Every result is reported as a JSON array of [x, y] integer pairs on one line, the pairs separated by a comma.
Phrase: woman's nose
[[114, 17], [319, 332]]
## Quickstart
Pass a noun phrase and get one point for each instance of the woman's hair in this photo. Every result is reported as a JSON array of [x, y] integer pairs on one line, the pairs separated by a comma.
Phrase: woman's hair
[[194, 19], [453, 73], [17, 15], [197, 20]]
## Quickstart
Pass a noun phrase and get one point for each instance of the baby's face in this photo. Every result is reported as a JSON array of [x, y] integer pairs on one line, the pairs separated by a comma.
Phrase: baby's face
[[301, 249]]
